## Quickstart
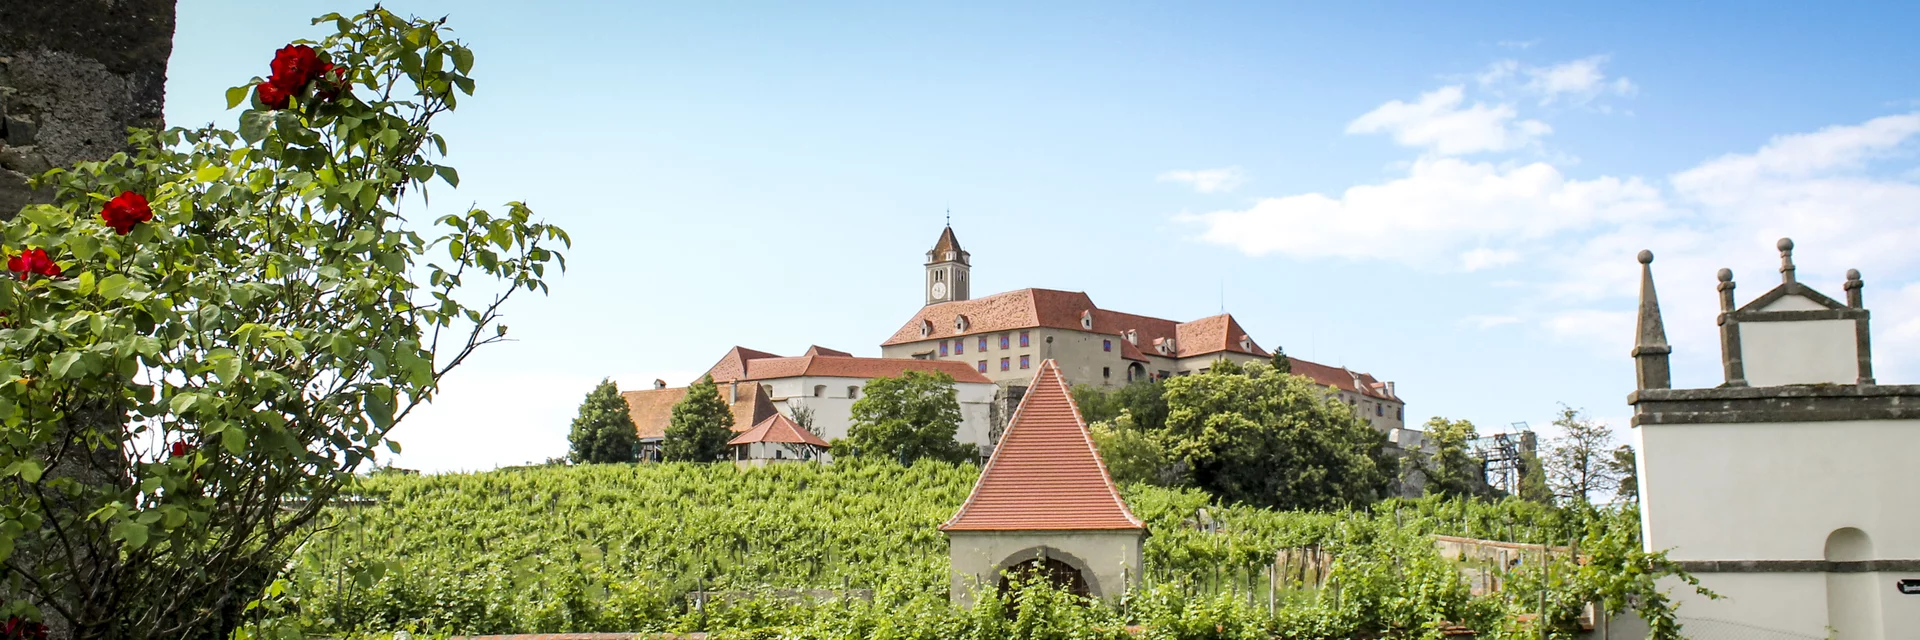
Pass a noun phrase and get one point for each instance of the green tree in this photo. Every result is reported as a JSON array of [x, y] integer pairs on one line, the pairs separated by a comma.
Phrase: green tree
[[230, 323], [908, 418], [1250, 435], [700, 426], [1130, 454], [1623, 464], [1280, 361], [1577, 463], [1453, 471], [1533, 479], [604, 430], [1144, 400]]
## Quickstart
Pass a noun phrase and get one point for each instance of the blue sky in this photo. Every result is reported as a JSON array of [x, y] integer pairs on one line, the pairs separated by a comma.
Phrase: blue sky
[[1444, 197]]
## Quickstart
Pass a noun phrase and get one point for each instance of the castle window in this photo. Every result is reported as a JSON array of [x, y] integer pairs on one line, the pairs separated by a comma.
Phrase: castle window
[[1133, 337], [819, 391], [960, 322], [853, 392], [959, 346], [1023, 339], [1106, 372], [983, 344], [1004, 364], [926, 328], [1164, 375], [983, 366], [1380, 409], [1400, 414], [1086, 320], [1023, 362], [1003, 341], [943, 348], [1106, 345]]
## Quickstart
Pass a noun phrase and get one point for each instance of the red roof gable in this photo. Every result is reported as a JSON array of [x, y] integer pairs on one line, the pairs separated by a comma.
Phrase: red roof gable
[[1033, 308], [817, 350], [778, 429], [1342, 378], [733, 366], [1045, 474], [851, 367]]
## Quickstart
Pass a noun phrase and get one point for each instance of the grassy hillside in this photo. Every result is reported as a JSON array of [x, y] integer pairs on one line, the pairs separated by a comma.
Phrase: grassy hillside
[[617, 547]]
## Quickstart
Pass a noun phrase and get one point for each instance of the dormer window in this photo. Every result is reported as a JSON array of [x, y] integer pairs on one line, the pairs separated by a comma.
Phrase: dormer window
[[1246, 343], [1086, 320], [960, 322], [1133, 337], [926, 328]]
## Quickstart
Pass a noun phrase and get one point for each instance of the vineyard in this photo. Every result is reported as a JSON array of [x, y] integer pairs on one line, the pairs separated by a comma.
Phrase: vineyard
[[621, 548]]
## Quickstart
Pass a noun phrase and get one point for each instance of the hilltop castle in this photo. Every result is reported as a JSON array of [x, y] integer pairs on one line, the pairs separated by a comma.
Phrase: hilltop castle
[[1005, 335]]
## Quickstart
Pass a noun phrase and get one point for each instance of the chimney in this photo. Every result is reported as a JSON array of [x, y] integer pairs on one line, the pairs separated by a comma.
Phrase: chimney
[[659, 384], [1650, 346]]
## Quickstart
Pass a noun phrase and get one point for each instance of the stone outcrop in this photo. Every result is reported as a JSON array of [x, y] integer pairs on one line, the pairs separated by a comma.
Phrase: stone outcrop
[[74, 74]]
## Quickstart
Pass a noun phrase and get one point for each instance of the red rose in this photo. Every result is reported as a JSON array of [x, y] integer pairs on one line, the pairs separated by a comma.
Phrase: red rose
[[294, 66], [17, 627], [126, 210], [33, 261], [181, 449], [333, 80], [272, 95]]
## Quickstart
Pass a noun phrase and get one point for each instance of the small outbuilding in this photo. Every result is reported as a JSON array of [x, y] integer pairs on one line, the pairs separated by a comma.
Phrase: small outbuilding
[[776, 439], [1044, 505]]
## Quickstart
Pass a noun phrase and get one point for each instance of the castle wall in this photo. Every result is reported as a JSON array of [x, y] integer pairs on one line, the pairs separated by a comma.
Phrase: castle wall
[[1109, 560]]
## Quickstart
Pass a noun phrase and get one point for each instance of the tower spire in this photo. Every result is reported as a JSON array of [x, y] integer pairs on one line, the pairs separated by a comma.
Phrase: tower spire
[[1650, 348]]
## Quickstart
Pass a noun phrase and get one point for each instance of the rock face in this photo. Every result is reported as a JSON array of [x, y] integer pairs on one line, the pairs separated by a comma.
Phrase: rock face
[[74, 74]]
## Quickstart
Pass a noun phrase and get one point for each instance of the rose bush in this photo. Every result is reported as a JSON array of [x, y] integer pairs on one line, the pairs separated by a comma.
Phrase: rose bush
[[195, 366]]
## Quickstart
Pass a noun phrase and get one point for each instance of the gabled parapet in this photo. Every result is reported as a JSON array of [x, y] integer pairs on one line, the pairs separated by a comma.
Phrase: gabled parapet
[[1793, 334]]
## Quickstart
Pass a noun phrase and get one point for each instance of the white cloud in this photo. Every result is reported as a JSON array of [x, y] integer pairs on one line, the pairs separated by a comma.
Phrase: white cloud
[[1576, 82], [1207, 180], [1438, 122], [1844, 193], [1441, 204], [1489, 322], [1484, 258], [1519, 44]]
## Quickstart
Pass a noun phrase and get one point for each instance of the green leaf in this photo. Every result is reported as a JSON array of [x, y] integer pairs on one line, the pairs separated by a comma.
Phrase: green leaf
[[183, 403], [210, 173], [28, 470], [235, 96], [113, 286], [462, 59], [83, 285], [448, 174], [133, 532], [379, 406], [62, 363], [254, 123], [394, 446], [228, 369], [234, 439]]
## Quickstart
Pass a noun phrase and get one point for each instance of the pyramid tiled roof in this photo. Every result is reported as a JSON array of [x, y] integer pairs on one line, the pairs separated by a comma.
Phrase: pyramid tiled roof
[[778, 429], [1045, 475], [945, 244]]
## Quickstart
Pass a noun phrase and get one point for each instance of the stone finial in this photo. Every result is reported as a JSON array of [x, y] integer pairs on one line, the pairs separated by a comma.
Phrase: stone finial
[[1786, 260], [1726, 290], [1853, 287], [1650, 346]]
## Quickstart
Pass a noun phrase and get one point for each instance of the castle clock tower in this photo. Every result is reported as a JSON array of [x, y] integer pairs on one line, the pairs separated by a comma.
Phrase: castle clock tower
[[947, 266]]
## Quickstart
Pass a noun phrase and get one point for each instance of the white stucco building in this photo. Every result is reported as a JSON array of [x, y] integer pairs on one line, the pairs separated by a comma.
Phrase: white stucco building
[[823, 382], [1789, 490]]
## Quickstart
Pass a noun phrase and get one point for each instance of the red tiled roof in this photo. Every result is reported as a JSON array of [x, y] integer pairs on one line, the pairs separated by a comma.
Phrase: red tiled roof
[[817, 350], [1032, 308], [734, 365], [851, 367], [778, 429], [1213, 335], [946, 243], [1045, 474], [652, 409], [1342, 378]]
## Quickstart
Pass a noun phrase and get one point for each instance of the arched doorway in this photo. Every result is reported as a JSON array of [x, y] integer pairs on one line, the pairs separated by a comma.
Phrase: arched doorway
[[1853, 598], [1056, 572], [1136, 372]]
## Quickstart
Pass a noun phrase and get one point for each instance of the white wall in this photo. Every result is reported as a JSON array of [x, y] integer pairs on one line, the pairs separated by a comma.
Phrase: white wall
[[1777, 491], [1800, 352], [833, 412], [1109, 560]]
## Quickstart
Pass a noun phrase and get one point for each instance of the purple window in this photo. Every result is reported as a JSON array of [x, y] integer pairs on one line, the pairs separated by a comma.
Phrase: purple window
[[1023, 339], [960, 346], [983, 366], [943, 347], [1106, 345], [1003, 364], [1003, 341], [1023, 362], [983, 344]]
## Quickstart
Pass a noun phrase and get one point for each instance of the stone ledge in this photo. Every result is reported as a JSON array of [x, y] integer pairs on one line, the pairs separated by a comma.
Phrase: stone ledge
[[1798, 403], [1799, 566]]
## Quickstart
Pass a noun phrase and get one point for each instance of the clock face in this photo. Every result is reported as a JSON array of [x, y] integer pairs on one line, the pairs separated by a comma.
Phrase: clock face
[[939, 290]]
